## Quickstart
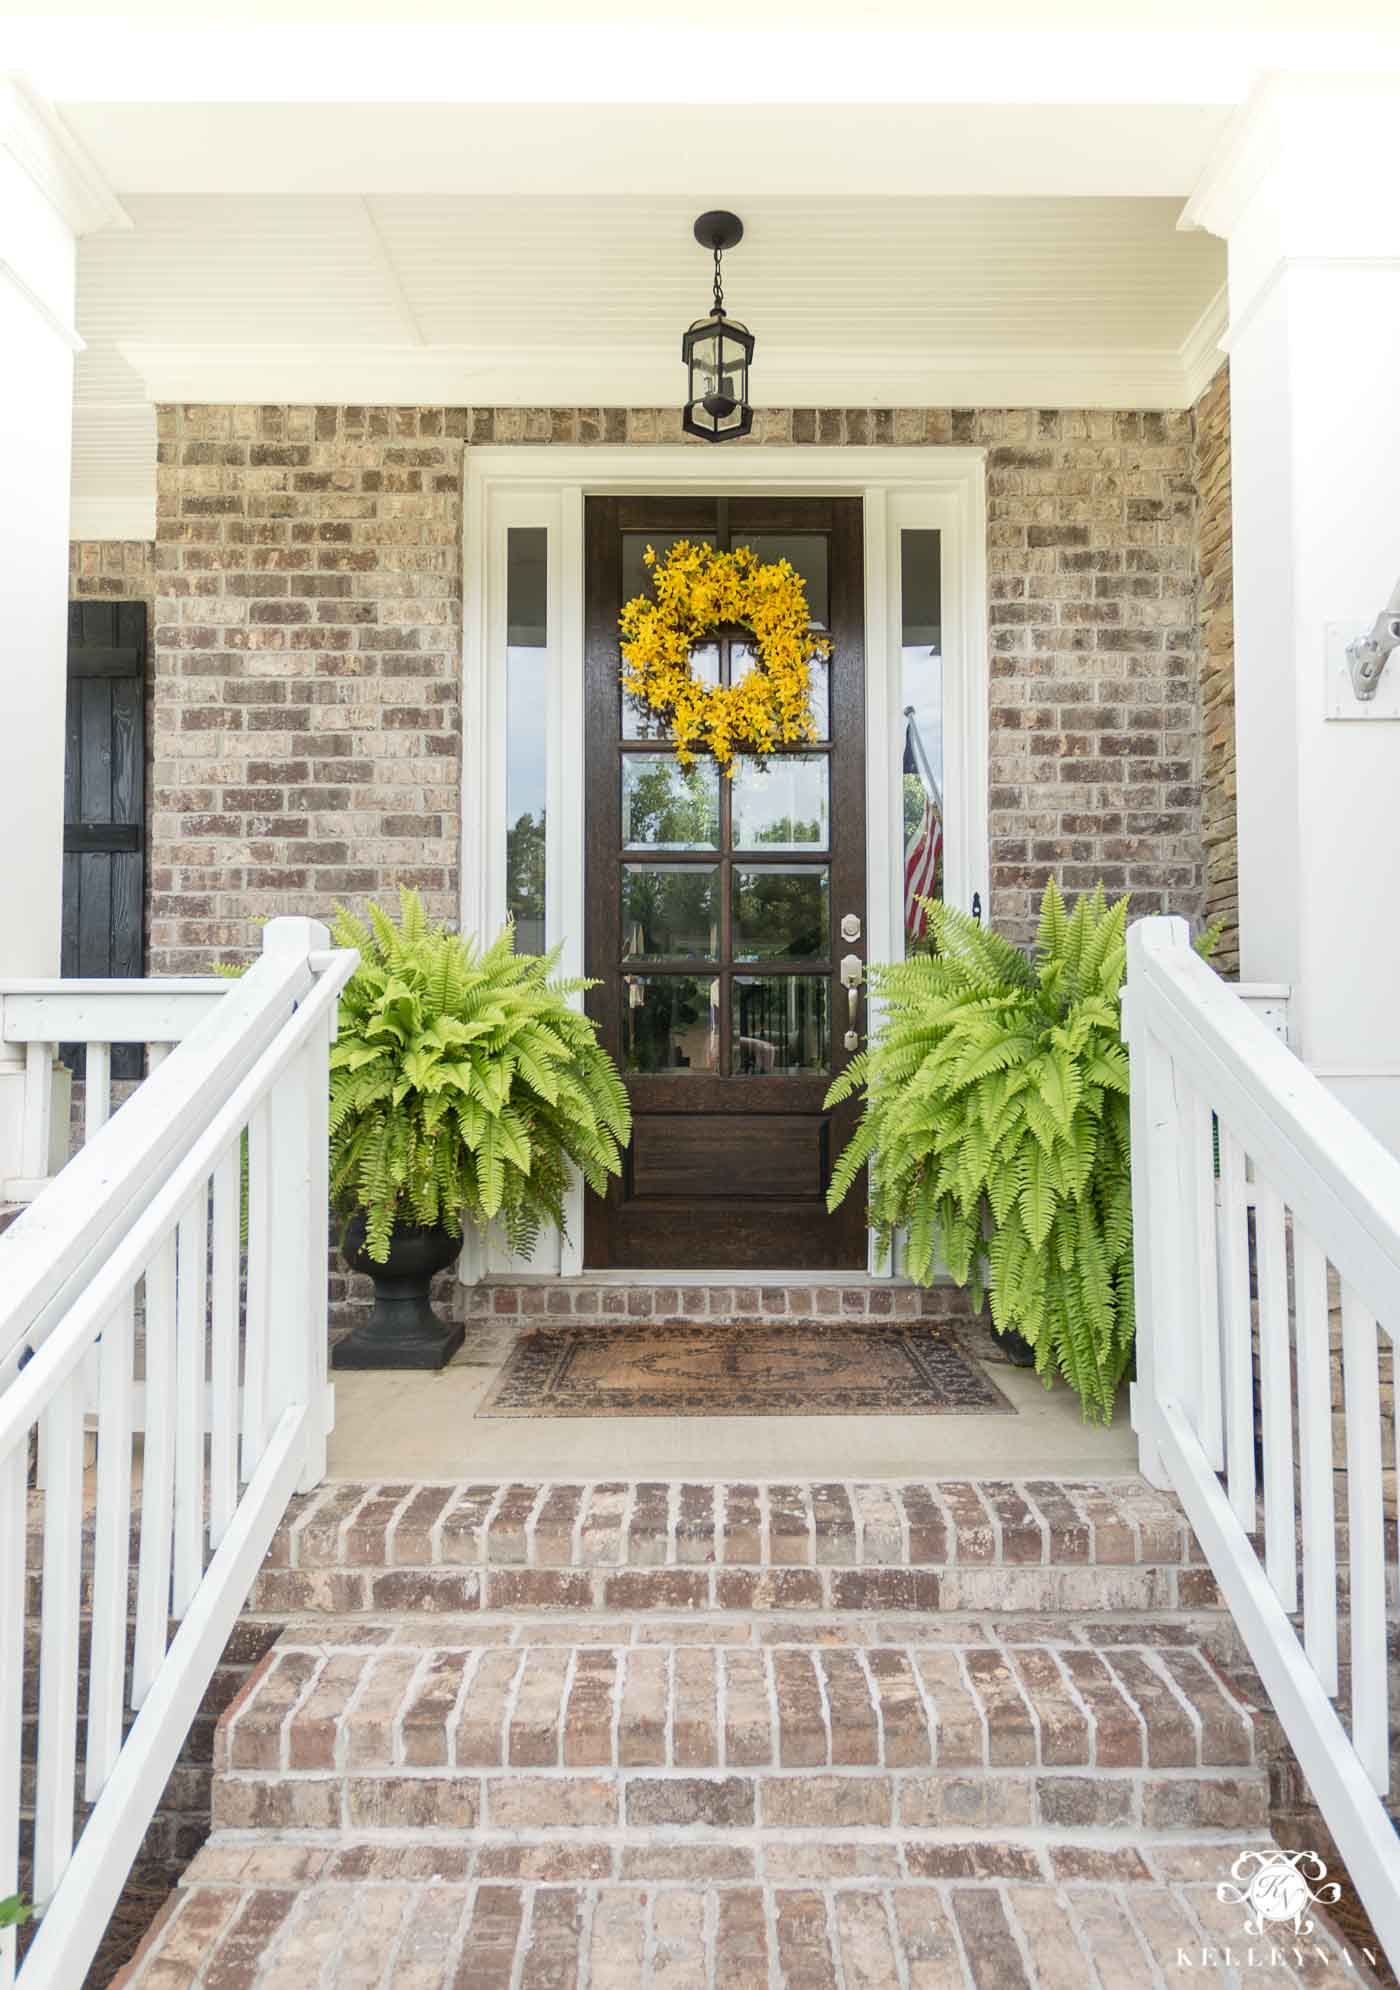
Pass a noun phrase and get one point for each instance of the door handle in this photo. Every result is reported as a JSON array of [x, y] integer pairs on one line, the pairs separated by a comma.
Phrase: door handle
[[851, 969]]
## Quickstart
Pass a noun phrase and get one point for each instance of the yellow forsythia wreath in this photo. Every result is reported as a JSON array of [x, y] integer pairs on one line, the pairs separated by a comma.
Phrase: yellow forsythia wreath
[[697, 590]]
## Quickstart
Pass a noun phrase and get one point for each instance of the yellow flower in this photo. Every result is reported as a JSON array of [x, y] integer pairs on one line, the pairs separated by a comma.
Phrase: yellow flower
[[696, 591]]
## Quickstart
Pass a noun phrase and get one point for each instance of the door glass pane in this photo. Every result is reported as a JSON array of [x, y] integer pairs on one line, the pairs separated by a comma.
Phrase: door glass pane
[[742, 657], [636, 574], [781, 801], [781, 1025], [640, 722], [668, 807], [806, 551], [921, 654], [670, 1023], [527, 717], [670, 911], [781, 912]]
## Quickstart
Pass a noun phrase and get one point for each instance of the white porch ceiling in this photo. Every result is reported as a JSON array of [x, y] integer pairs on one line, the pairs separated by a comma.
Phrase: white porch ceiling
[[529, 300]]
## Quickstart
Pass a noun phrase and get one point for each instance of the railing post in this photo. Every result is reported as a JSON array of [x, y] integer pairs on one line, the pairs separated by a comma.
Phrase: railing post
[[1159, 1233], [296, 1208]]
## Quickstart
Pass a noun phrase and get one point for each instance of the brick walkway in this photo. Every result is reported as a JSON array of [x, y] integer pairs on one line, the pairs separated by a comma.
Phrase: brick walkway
[[539, 1737]]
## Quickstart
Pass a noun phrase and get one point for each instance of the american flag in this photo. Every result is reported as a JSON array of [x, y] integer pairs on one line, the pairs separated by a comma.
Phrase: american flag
[[924, 849]]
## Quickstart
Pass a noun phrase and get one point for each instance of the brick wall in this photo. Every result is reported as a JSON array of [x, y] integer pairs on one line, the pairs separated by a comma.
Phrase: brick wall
[[1211, 418], [308, 650]]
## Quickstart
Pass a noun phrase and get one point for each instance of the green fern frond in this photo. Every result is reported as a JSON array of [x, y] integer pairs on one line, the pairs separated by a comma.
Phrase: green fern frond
[[463, 1084], [994, 1129]]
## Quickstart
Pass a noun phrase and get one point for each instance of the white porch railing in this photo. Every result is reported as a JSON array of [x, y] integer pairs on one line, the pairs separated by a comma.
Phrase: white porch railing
[[1209, 1079], [41, 1015], [147, 1221]]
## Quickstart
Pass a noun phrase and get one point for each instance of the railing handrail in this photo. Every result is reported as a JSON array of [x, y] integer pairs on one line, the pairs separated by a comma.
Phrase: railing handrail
[[53, 1246], [76, 1326], [1329, 1167]]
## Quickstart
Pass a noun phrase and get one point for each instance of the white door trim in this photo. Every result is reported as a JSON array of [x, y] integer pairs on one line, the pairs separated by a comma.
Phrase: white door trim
[[546, 485]]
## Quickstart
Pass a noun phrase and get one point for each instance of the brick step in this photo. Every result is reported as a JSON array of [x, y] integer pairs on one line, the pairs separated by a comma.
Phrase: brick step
[[451, 1914], [1040, 1546], [332, 1734]]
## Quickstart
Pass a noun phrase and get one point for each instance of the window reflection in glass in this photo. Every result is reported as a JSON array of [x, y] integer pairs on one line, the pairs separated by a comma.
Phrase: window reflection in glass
[[670, 1023], [781, 1025], [781, 801], [527, 717], [780, 912], [670, 912], [743, 656], [921, 654], [806, 552], [636, 574], [669, 807], [640, 722]]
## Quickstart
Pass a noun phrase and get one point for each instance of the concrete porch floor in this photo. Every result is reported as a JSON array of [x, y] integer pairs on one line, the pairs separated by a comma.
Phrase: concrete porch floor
[[402, 1425]]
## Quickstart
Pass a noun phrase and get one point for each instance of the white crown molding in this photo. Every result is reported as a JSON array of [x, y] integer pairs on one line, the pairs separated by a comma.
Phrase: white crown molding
[[1203, 348], [574, 377], [113, 516], [32, 132], [60, 327]]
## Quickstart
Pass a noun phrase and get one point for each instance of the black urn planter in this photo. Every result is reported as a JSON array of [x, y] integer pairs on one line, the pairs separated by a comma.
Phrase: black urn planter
[[403, 1331], [1018, 1349]]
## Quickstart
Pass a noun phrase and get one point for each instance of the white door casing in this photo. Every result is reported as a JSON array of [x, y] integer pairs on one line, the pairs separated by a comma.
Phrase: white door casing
[[901, 488]]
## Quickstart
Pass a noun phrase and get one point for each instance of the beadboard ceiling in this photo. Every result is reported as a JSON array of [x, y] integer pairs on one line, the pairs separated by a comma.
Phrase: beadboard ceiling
[[530, 300]]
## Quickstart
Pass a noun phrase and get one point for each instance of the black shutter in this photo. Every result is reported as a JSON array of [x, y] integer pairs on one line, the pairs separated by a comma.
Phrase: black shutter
[[104, 811]]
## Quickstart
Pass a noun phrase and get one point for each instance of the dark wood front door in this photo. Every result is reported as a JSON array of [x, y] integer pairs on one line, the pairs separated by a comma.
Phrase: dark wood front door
[[715, 917]]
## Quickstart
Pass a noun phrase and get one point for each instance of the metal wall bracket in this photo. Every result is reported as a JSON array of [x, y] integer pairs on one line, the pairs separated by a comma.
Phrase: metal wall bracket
[[1368, 655], [1366, 660]]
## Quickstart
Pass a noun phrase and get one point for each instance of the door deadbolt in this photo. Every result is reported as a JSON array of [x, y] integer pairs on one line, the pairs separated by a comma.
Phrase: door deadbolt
[[850, 926]]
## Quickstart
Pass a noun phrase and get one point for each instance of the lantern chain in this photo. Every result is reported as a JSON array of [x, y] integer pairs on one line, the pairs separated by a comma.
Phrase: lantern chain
[[719, 287]]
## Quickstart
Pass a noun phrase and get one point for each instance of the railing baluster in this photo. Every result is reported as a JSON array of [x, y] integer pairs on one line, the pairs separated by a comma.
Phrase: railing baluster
[[12, 1623], [1276, 1396], [97, 1089], [156, 1054], [36, 1135], [259, 1287], [223, 1389], [1233, 1253], [1370, 1718], [1198, 1205], [59, 1632], [111, 1550], [157, 1473], [190, 1369], [1318, 1501]]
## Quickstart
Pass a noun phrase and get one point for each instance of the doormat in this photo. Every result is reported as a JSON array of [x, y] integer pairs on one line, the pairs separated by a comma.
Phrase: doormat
[[789, 1368]]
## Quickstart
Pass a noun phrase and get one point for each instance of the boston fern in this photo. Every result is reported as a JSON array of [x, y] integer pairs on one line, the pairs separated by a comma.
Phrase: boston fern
[[996, 1131], [463, 1083]]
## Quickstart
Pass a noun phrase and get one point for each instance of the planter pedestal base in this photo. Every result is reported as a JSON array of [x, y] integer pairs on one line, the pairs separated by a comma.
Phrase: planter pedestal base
[[400, 1333]]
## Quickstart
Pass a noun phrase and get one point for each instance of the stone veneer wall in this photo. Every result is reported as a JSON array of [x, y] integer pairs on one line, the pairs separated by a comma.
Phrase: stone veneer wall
[[307, 721], [1211, 418]]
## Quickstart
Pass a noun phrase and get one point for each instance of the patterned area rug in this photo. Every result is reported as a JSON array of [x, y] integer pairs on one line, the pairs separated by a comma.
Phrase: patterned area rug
[[791, 1368]]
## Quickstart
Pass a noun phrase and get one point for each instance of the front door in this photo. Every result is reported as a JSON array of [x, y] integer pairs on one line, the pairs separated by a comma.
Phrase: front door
[[719, 912]]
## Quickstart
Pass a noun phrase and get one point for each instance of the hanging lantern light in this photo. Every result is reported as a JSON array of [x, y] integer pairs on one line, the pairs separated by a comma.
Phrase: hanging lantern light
[[717, 349]]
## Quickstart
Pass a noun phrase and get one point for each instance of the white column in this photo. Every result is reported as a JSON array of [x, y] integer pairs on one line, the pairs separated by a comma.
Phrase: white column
[[48, 195], [1304, 192]]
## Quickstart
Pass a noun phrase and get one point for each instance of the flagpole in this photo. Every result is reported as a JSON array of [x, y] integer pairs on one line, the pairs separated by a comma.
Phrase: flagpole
[[925, 771]]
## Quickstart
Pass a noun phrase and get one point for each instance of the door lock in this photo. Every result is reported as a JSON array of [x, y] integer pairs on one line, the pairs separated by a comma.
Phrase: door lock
[[850, 926]]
